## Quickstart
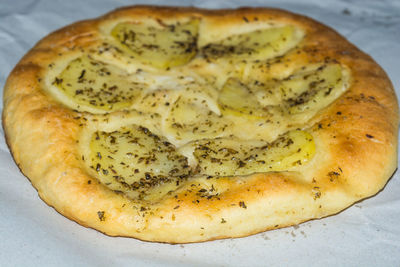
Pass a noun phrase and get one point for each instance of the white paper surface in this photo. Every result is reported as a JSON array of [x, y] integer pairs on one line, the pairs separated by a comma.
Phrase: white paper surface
[[33, 234]]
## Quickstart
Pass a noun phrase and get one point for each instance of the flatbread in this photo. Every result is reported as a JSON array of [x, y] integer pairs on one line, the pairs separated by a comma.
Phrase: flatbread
[[183, 125]]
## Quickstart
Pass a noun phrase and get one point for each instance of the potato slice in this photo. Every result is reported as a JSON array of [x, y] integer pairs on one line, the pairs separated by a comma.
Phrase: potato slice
[[256, 45], [288, 151], [301, 94], [95, 85], [237, 99], [230, 157], [312, 91], [222, 156], [162, 47], [190, 118], [137, 162]]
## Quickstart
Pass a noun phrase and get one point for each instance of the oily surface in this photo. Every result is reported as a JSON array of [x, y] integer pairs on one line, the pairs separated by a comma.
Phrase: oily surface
[[341, 149]]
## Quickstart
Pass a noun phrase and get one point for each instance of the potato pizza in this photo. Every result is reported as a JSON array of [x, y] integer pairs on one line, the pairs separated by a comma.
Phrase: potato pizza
[[183, 125]]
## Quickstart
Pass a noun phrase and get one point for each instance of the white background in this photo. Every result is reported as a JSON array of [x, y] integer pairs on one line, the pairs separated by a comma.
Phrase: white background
[[33, 234]]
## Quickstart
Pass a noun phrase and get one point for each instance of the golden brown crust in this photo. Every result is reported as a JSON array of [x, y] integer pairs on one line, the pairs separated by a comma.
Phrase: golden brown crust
[[356, 139]]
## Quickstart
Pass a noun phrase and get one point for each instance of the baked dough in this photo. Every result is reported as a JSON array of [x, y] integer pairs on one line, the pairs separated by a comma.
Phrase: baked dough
[[184, 125]]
